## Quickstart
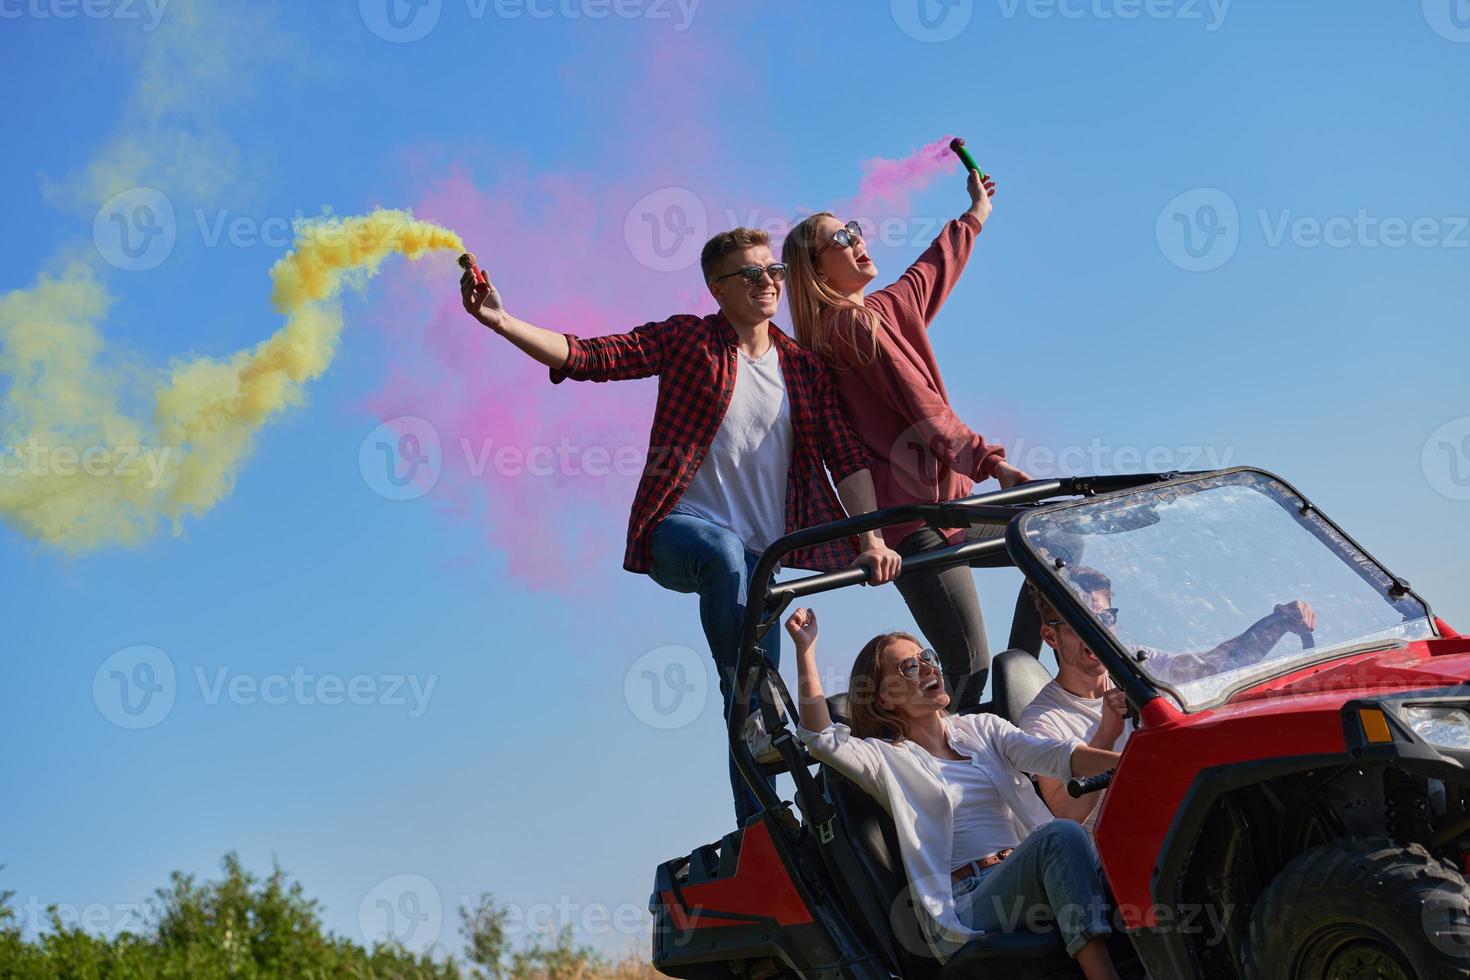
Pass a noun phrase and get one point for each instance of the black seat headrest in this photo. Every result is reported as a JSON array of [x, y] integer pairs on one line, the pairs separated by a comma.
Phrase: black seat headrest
[[1016, 677], [837, 708]]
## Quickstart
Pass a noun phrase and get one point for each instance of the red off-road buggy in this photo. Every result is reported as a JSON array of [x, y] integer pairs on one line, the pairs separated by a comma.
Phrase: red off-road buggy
[[1294, 812]]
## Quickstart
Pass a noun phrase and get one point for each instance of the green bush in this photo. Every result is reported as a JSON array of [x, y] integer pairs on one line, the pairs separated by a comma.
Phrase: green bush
[[244, 928]]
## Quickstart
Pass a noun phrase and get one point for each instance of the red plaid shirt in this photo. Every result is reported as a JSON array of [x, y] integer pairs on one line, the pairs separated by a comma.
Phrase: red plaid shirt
[[695, 360]]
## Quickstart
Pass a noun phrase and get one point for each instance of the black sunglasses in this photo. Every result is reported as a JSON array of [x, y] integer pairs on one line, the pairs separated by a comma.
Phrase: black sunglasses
[[1108, 617], [754, 273]]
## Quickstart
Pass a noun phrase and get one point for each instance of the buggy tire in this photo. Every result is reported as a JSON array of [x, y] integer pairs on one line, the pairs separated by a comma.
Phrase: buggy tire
[[1361, 907]]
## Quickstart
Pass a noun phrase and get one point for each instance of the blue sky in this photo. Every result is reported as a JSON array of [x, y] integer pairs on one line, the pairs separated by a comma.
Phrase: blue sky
[[1319, 330]]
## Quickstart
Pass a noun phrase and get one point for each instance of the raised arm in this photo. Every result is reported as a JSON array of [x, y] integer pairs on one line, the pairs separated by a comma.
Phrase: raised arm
[[811, 701], [483, 303], [1059, 758], [832, 743], [1244, 650], [615, 357], [926, 284]]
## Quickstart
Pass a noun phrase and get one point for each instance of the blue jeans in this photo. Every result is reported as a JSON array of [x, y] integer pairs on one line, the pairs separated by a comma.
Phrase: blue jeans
[[1051, 876], [694, 555]]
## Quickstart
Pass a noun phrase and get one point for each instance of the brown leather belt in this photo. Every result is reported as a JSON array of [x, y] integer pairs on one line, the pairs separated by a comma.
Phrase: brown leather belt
[[975, 867]]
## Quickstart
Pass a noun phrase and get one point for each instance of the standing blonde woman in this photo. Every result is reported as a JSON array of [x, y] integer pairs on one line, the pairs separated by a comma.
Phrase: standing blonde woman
[[877, 347]]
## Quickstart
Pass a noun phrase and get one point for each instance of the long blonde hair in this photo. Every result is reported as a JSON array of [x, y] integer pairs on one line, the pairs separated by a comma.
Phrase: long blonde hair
[[813, 303]]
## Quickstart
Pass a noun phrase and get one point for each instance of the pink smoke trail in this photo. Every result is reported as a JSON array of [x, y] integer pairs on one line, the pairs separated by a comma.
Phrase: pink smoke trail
[[887, 186], [557, 247]]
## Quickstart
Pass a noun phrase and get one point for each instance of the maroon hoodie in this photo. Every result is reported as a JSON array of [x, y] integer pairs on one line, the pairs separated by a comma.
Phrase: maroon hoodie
[[921, 451]]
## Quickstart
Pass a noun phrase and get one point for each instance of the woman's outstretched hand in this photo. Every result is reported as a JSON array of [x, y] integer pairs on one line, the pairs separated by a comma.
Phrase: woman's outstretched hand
[[1010, 476], [802, 625], [811, 703], [981, 191]]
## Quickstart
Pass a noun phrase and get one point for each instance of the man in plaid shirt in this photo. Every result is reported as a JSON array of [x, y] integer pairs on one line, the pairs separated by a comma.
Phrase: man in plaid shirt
[[745, 423]]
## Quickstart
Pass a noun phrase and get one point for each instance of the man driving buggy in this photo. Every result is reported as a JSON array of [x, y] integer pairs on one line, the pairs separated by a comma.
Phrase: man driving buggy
[[1081, 702]]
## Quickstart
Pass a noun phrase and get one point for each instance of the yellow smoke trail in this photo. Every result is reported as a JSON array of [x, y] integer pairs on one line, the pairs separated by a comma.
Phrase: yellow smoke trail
[[78, 471]]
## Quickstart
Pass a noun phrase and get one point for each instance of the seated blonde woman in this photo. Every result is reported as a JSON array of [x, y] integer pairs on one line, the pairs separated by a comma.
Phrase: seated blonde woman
[[975, 838]]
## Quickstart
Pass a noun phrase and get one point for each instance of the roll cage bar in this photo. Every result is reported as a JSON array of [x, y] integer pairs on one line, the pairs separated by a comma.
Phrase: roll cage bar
[[768, 601]]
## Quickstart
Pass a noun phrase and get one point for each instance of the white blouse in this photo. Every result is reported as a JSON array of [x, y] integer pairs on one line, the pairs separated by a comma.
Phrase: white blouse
[[907, 781], [982, 822]]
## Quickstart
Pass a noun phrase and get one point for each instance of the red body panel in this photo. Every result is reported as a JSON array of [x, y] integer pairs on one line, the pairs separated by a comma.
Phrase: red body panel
[[1296, 714], [759, 887]]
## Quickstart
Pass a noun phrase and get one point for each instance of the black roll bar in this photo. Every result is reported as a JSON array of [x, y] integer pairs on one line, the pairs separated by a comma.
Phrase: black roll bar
[[767, 599]]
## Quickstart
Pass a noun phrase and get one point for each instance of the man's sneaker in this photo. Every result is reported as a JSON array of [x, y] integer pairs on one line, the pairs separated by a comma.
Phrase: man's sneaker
[[758, 740]]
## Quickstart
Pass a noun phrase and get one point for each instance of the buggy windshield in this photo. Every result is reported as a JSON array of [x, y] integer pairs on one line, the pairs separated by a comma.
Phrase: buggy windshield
[[1215, 584]]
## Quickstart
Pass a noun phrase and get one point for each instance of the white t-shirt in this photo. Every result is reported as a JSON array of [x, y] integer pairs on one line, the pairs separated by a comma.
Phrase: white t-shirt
[[982, 822], [741, 482], [1058, 713]]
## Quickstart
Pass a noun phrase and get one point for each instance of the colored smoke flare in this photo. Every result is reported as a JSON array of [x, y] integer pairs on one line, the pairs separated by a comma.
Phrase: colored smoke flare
[[958, 146], [63, 398]]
